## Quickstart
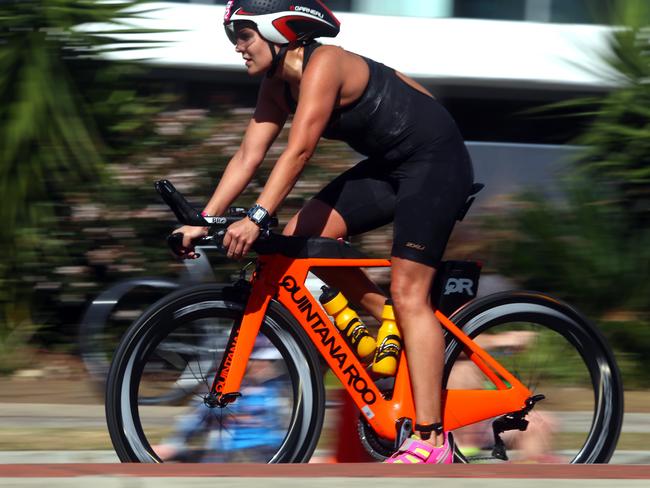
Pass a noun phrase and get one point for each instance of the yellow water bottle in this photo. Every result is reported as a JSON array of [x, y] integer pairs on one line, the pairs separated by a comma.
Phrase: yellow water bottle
[[347, 321], [389, 343]]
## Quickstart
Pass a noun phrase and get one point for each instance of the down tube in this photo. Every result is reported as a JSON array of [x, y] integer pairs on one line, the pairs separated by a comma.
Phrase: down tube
[[335, 350]]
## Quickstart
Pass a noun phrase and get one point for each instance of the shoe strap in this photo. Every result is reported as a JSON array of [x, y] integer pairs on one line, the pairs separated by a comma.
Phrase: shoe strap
[[421, 450]]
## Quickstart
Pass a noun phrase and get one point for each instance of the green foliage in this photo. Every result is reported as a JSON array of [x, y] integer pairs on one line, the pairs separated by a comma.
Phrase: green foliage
[[618, 141], [58, 111], [631, 340], [48, 135], [583, 251], [594, 249], [14, 336]]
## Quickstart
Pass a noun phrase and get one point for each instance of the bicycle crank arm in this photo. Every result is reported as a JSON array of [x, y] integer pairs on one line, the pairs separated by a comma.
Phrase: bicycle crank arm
[[511, 421], [404, 427]]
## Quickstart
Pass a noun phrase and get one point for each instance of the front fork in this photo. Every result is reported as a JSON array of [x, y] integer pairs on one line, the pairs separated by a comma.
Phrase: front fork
[[229, 375], [216, 397]]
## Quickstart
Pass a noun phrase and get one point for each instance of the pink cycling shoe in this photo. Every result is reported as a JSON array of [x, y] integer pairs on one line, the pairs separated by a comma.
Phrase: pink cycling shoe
[[415, 451]]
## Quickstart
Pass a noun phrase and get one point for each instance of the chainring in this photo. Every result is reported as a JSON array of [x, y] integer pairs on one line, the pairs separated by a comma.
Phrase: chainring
[[377, 447]]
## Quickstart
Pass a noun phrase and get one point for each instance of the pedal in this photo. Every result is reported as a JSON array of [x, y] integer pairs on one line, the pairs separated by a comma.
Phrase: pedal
[[511, 421]]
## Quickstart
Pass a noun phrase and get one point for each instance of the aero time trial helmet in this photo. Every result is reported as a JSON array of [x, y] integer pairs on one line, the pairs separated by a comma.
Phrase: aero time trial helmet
[[283, 21]]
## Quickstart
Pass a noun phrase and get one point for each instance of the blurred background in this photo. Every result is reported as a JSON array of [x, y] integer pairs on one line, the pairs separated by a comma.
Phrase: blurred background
[[100, 99]]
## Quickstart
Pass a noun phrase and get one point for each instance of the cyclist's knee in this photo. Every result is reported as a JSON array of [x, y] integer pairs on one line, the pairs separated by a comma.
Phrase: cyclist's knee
[[408, 297], [410, 285]]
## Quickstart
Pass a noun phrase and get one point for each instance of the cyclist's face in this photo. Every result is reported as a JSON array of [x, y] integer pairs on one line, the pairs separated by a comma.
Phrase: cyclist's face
[[254, 49]]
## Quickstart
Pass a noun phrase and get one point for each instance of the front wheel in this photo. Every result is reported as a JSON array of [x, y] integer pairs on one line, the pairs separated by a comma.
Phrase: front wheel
[[173, 351], [554, 351]]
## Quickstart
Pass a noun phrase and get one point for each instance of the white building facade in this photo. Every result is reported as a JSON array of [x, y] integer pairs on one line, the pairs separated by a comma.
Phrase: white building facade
[[488, 61]]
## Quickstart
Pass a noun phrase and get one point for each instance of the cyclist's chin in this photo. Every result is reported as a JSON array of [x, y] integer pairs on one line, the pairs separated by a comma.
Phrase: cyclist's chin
[[254, 69]]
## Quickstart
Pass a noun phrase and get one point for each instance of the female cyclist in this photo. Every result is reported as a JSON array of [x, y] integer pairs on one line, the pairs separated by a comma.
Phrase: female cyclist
[[417, 173]]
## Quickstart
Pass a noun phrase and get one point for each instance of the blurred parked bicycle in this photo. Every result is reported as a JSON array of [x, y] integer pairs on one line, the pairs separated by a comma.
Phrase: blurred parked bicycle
[[114, 309], [111, 313]]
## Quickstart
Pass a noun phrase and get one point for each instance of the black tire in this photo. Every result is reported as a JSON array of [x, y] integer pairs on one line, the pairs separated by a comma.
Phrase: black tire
[[580, 419], [107, 318], [177, 345]]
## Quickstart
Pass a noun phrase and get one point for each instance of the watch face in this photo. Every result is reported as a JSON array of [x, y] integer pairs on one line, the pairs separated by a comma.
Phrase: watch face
[[258, 215]]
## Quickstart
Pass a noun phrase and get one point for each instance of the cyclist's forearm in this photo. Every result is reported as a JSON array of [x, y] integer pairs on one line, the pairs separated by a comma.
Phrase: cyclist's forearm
[[233, 182], [282, 179]]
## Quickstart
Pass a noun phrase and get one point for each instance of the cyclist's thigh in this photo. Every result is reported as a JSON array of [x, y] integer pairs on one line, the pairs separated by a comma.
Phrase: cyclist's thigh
[[363, 197], [316, 218], [430, 195]]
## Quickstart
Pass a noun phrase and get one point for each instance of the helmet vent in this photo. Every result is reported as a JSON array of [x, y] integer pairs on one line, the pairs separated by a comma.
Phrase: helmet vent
[[262, 7]]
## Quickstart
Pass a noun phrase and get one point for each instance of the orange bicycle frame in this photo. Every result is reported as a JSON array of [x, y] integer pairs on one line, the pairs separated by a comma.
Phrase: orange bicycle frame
[[284, 278]]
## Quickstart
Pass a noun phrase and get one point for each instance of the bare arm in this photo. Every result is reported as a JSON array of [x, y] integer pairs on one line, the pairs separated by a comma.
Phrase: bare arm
[[263, 129], [319, 91]]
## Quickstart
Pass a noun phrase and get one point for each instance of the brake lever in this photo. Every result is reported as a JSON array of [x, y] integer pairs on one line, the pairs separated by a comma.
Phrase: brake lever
[[175, 243]]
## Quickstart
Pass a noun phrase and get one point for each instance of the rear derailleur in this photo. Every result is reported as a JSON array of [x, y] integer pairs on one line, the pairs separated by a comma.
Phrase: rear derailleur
[[511, 421]]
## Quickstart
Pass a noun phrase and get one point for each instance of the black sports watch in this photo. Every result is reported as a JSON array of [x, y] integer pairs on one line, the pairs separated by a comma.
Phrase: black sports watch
[[259, 215]]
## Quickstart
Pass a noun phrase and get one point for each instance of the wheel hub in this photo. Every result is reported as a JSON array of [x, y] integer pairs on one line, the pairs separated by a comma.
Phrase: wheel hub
[[211, 400]]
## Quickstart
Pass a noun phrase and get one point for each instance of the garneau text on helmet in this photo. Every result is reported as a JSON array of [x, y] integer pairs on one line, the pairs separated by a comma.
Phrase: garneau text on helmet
[[307, 10]]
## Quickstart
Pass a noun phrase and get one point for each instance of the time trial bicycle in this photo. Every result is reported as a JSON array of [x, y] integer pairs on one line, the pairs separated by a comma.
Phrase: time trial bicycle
[[267, 330]]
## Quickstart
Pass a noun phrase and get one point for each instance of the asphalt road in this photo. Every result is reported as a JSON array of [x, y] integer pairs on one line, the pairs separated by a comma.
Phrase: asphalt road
[[340, 475]]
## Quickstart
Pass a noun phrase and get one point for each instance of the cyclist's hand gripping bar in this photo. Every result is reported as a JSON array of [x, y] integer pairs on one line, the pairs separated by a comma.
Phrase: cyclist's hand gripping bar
[[188, 215]]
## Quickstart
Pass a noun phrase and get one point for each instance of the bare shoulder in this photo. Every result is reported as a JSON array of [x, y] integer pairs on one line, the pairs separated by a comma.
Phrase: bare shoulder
[[336, 60], [328, 55], [347, 72]]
